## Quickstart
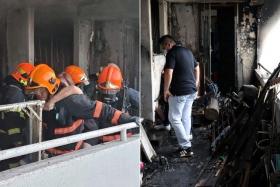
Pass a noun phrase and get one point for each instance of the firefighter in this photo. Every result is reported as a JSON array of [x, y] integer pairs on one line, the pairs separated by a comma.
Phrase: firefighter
[[81, 80], [14, 122], [72, 79], [112, 90], [68, 115], [73, 76]]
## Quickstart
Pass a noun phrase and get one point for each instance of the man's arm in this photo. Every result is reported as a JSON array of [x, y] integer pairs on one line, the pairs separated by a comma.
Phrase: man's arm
[[104, 113], [196, 75], [81, 107], [65, 92], [168, 73]]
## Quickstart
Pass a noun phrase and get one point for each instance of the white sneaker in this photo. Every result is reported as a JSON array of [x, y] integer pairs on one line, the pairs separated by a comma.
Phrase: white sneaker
[[186, 152], [162, 127]]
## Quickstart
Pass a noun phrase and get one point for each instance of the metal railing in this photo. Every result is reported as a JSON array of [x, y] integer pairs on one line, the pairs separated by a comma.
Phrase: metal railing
[[22, 105], [264, 68], [33, 109], [38, 147]]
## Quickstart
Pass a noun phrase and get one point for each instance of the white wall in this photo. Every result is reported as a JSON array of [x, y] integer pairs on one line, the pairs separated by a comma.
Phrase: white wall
[[114, 164]]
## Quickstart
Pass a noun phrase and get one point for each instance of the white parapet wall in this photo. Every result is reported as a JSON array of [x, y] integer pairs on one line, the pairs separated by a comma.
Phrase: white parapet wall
[[112, 164]]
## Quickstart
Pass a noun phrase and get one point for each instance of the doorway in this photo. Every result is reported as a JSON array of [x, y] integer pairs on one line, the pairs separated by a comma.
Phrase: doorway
[[219, 57]]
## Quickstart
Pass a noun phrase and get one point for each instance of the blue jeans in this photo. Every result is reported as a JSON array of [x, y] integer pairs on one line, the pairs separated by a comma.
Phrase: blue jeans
[[180, 110]]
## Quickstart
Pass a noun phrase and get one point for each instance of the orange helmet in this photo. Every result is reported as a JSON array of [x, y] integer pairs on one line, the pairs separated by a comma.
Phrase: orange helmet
[[22, 72], [77, 74], [43, 76], [110, 78]]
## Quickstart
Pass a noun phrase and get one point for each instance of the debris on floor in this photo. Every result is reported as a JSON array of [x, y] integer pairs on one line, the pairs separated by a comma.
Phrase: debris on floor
[[237, 147], [168, 169]]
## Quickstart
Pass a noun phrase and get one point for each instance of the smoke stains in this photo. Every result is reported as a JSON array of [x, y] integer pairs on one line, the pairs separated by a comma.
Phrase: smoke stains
[[185, 24], [248, 40]]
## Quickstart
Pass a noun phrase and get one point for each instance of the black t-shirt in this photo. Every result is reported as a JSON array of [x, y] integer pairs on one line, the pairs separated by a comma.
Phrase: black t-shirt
[[182, 61]]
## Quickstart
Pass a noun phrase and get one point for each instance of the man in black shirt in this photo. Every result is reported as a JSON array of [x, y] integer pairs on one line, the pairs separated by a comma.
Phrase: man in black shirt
[[181, 79]]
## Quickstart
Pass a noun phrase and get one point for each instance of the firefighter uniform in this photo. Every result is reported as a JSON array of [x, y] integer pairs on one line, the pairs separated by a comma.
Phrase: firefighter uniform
[[112, 91], [69, 114], [110, 80], [81, 80], [13, 122]]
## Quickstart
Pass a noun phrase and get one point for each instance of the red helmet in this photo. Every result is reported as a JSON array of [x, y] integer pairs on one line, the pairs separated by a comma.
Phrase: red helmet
[[110, 78], [22, 72], [77, 74]]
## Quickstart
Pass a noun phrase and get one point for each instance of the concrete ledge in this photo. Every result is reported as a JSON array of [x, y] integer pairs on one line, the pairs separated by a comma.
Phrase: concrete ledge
[[111, 164]]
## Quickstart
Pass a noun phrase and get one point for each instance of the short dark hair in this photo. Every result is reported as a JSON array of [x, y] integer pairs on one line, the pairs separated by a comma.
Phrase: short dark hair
[[164, 38]]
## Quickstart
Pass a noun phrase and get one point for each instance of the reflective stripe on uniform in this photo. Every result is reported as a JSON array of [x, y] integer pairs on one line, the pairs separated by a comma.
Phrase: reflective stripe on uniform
[[97, 110], [56, 151], [13, 165], [116, 117], [109, 138], [13, 131], [2, 131], [76, 124]]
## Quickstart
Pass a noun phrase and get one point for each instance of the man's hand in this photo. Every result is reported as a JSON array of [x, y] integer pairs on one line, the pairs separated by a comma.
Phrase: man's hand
[[166, 95]]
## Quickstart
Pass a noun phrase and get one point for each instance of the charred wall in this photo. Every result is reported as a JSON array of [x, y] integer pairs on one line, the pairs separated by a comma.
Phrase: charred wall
[[115, 29], [58, 40], [247, 29], [116, 41], [184, 24], [3, 47], [54, 36]]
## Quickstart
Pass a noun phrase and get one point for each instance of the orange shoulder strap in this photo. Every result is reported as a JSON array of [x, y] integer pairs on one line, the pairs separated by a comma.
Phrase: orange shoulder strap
[[98, 109]]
